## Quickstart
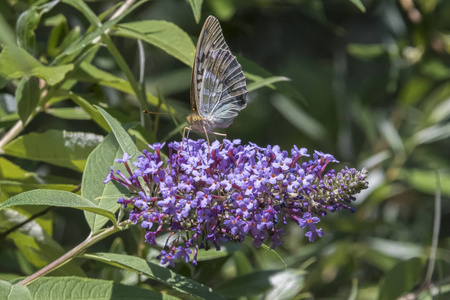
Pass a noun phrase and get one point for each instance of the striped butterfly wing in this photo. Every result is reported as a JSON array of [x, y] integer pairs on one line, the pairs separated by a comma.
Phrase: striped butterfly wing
[[218, 87], [223, 90]]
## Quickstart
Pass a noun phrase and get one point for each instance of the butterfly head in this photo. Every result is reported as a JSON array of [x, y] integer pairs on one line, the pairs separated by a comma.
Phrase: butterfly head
[[198, 123]]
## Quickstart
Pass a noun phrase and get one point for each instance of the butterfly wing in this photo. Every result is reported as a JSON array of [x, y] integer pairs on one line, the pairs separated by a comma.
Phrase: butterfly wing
[[211, 38], [223, 89]]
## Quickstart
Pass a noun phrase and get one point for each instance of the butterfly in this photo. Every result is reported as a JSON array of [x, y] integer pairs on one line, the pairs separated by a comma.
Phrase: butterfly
[[218, 86]]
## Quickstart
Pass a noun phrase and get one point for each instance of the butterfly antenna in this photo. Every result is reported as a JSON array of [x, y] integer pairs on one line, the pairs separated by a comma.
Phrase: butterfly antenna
[[161, 113]]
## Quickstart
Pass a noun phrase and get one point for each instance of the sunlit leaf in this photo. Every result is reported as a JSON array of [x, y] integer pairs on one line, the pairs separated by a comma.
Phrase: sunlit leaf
[[92, 188], [16, 63], [87, 39], [91, 111], [9, 291], [27, 24], [391, 135], [196, 6], [123, 138], [431, 134], [55, 198], [88, 288], [286, 284], [61, 148], [162, 34], [441, 112], [90, 73], [259, 83], [359, 5], [366, 51], [224, 9], [156, 272], [425, 180], [69, 113]]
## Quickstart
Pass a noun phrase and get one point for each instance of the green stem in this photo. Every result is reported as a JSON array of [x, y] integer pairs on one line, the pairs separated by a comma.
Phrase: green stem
[[11, 134], [72, 254]]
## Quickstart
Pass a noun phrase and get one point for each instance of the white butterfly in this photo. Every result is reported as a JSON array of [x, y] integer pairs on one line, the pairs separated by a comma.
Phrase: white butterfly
[[218, 87]]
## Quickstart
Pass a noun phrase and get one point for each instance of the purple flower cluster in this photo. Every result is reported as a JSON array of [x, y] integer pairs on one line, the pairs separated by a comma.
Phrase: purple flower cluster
[[204, 195]]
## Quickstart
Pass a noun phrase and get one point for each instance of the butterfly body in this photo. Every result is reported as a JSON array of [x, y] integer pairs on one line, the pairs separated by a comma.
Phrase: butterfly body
[[218, 86]]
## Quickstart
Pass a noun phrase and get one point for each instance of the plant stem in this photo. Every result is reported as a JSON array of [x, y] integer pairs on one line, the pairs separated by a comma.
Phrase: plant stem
[[436, 227], [71, 254], [11, 134]]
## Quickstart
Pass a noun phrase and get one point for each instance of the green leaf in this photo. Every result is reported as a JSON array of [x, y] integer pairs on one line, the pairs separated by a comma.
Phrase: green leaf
[[425, 180], [91, 111], [359, 5], [27, 22], [60, 148], [9, 170], [92, 187], [431, 134], [255, 72], [363, 51], [34, 242], [11, 188], [224, 9], [415, 89], [286, 284], [299, 118], [28, 95], [57, 35], [58, 199], [87, 39], [262, 82], [85, 10], [120, 61], [7, 37], [90, 73], [15, 63], [196, 6], [242, 262], [391, 135], [69, 39], [86, 288], [248, 285], [9, 291], [162, 34], [205, 255], [109, 11], [69, 113], [25, 26], [12, 174], [156, 272], [126, 143], [436, 69], [401, 279], [440, 112]]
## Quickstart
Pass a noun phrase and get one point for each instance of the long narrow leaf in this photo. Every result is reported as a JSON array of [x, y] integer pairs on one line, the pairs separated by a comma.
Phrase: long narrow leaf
[[56, 198]]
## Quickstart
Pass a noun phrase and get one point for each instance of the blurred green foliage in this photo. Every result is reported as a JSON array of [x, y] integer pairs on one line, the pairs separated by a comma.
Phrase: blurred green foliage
[[369, 83]]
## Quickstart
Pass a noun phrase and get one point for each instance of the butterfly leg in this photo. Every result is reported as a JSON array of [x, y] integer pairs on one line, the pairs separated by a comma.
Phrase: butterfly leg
[[182, 140], [207, 138], [223, 135]]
